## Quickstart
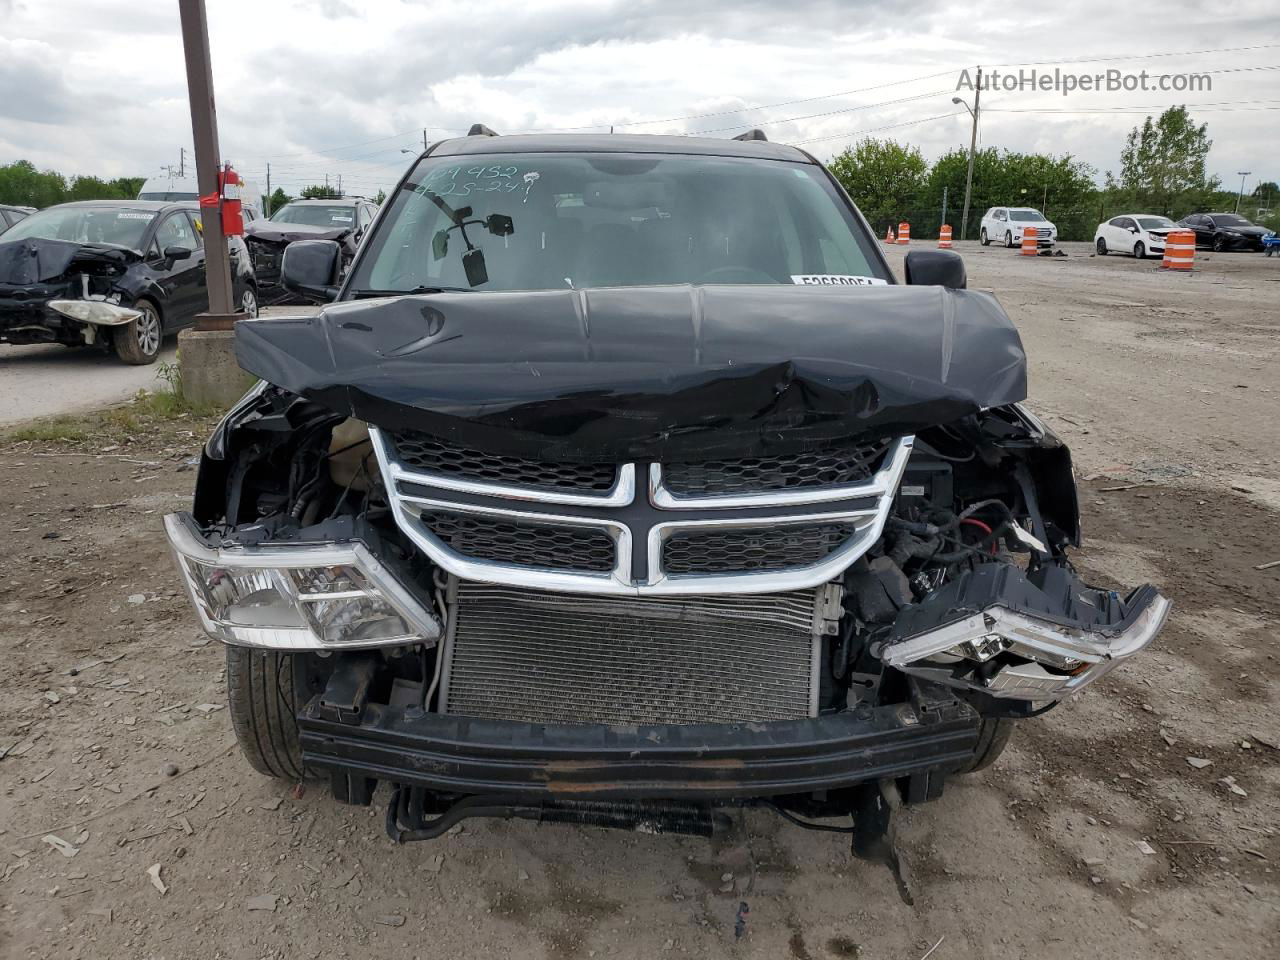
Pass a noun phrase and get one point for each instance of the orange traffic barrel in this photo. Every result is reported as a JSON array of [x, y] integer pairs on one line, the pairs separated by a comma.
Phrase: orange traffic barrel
[[1029, 243], [888, 235], [904, 232], [1179, 250], [944, 237]]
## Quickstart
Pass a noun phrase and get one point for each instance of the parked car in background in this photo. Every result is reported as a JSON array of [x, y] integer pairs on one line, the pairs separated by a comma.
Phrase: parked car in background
[[1007, 224], [1139, 234], [1225, 231], [344, 220], [119, 274], [11, 214]]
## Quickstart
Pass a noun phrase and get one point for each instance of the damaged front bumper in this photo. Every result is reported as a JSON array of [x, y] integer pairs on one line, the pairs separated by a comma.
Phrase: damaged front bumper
[[360, 742], [1037, 637]]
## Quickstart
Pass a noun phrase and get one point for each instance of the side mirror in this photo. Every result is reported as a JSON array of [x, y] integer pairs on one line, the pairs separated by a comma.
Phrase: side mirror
[[936, 268], [174, 254], [310, 269]]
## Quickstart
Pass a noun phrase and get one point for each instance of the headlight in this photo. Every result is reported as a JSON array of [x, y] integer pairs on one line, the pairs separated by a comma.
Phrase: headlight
[[95, 311], [303, 597]]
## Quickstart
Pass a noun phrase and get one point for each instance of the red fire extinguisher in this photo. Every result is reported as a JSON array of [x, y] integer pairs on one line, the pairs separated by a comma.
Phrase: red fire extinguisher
[[229, 184]]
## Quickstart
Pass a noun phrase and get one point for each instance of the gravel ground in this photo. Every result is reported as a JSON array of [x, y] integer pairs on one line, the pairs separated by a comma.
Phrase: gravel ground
[[1093, 836]]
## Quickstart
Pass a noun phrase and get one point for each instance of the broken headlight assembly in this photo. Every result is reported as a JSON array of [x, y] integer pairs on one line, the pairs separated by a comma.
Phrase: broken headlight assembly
[[100, 312], [1009, 635], [298, 596]]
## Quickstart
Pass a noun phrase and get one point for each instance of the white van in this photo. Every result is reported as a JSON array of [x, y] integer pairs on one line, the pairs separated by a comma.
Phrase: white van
[[185, 188]]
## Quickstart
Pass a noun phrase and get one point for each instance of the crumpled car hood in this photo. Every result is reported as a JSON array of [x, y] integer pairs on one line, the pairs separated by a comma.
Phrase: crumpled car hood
[[273, 232], [32, 260], [642, 373]]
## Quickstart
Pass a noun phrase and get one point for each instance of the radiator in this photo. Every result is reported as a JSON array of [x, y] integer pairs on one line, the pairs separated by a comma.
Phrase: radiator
[[541, 657]]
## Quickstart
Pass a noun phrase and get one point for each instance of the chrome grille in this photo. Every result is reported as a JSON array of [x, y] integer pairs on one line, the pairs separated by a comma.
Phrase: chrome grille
[[523, 543], [541, 657], [717, 550], [422, 451], [830, 465]]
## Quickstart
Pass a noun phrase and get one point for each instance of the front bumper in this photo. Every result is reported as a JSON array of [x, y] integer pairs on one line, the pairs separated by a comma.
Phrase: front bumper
[[469, 756]]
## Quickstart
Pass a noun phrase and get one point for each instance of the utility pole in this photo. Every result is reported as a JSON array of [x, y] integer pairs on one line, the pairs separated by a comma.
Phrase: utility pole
[[339, 185], [1240, 195], [973, 146], [182, 162], [204, 129], [944, 203], [266, 200], [424, 138]]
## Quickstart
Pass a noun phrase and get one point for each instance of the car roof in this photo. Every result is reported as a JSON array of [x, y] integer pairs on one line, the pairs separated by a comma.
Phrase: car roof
[[153, 205], [1161, 215], [617, 143], [319, 202]]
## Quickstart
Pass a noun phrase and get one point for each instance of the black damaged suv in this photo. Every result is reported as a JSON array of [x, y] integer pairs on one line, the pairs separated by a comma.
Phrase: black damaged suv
[[622, 483]]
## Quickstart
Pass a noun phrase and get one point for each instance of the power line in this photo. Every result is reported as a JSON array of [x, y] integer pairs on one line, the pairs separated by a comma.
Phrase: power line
[[1140, 56], [830, 113], [888, 126]]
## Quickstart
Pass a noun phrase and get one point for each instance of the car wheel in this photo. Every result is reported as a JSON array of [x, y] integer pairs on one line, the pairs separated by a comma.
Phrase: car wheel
[[260, 693], [249, 302], [138, 342], [1102, 247], [1140, 250], [983, 238], [1219, 243], [1008, 238], [993, 737]]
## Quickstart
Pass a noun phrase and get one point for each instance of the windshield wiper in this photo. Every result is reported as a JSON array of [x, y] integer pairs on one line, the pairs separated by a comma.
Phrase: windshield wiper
[[369, 294]]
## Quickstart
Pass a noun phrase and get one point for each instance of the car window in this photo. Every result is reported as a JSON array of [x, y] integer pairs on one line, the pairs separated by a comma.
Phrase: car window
[[337, 216], [599, 220], [199, 228], [176, 231], [1126, 223], [1000, 215], [362, 216], [1155, 223], [116, 226], [1026, 216]]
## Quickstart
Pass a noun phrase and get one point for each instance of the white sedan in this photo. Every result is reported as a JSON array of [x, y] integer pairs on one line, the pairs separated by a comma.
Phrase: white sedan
[[1138, 234]]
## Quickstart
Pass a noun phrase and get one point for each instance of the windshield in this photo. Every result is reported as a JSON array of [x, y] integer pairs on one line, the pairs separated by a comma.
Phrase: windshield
[[118, 226], [1026, 216], [168, 195], [1156, 223], [551, 221], [335, 217], [1231, 220]]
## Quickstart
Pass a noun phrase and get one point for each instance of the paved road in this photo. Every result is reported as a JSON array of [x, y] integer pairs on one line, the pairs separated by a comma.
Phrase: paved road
[[45, 381]]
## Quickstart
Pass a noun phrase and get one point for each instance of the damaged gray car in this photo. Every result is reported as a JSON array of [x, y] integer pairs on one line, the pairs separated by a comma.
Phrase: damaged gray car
[[621, 483]]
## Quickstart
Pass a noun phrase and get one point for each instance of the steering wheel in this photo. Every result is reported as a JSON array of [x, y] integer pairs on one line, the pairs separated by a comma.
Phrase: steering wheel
[[736, 275]]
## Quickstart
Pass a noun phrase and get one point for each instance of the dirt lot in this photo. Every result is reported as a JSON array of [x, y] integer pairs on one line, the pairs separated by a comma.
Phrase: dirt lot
[[1094, 836]]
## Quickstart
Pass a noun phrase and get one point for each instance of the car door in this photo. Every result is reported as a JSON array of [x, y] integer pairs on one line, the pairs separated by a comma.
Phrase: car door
[[1122, 231], [1202, 226], [182, 281]]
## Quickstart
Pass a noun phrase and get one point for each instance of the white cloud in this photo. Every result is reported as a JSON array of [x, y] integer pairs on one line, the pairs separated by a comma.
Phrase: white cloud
[[335, 87]]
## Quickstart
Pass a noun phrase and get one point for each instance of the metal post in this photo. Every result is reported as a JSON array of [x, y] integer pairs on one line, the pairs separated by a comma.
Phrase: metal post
[[424, 138], [973, 146], [204, 130], [944, 203], [266, 200], [1240, 195]]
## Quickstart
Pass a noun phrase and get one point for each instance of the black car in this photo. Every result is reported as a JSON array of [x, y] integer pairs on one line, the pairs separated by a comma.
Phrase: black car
[[113, 273], [10, 214], [1225, 231], [344, 221], [622, 482]]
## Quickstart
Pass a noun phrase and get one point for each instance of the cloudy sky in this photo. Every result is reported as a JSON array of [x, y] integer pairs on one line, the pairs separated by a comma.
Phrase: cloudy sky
[[341, 87]]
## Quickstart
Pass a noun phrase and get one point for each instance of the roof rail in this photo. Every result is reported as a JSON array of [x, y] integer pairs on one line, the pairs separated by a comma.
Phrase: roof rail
[[480, 130], [755, 134]]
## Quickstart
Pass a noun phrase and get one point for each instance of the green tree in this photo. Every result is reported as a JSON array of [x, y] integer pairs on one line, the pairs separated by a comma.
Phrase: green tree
[[320, 191], [22, 184], [380, 198], [1162, 166], [277, 200], [883, 177]]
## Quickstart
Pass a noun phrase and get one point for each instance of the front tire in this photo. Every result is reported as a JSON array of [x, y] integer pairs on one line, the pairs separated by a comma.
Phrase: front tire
[[1102, 247], [984, 239], [138, 341], [1219, 243], [263, 704], [993, 737], [1140, 250]]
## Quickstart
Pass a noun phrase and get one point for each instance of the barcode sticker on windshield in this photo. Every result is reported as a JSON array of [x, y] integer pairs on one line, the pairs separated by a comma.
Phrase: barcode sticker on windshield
[[125, 215], [834, 280]]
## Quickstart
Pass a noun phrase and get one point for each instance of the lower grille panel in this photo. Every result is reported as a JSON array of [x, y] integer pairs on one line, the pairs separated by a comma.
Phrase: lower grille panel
[[562, 658]]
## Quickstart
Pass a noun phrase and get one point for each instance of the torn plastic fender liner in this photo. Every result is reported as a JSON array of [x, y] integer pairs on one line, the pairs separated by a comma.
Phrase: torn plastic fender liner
[[642, 373]]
